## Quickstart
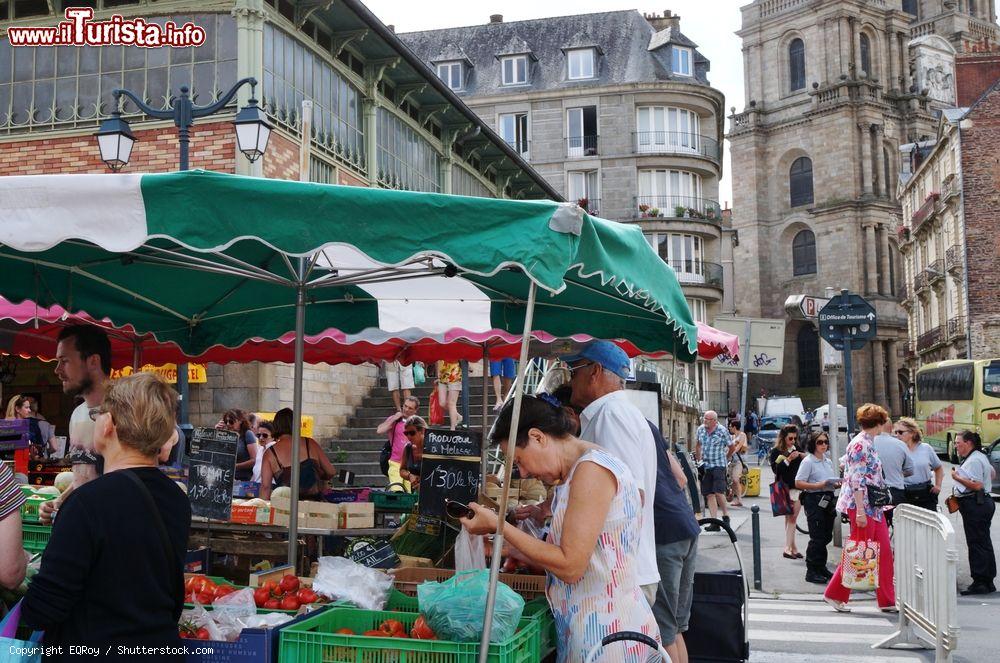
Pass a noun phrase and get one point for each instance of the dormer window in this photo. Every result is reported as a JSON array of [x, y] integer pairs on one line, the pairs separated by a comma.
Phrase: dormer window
[[514, 69], [680, 59], [452, 75], [580, 63]]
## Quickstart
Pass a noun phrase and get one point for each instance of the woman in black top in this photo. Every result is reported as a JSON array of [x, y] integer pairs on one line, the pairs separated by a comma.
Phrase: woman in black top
[[112, 573], [413, 452], [785, 458]]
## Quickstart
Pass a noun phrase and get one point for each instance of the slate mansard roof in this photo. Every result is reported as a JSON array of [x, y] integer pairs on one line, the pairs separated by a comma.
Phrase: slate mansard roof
[[629, 50]]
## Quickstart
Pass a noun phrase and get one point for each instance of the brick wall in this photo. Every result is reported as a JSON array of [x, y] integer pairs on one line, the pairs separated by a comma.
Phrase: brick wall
[[212, 148], [974, 74], [282, 158], [981, 192]]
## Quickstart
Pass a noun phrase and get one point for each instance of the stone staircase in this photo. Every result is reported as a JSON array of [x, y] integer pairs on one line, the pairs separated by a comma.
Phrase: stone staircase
[[361, 445]]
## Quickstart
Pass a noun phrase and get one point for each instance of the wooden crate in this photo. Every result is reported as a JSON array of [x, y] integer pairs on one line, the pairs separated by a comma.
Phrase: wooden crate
[[407, 579]]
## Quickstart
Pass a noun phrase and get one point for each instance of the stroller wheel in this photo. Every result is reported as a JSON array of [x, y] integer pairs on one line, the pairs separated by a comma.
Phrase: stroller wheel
[[623, 636]]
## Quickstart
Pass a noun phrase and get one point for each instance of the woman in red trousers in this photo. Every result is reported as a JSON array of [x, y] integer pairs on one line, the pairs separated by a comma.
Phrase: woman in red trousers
[[863, 468]]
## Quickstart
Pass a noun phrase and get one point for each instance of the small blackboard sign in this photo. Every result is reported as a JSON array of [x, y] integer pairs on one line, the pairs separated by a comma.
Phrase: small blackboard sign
[[13, 434], [444, 478], [444, 442], [373, 553], [211, 470]]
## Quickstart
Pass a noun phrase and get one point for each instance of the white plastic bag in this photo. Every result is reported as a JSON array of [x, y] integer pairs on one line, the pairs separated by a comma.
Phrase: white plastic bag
[[341, 578], [470, 553]]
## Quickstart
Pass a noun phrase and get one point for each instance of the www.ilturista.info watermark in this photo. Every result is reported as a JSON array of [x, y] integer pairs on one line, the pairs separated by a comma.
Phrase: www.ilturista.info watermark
[[80, 30]]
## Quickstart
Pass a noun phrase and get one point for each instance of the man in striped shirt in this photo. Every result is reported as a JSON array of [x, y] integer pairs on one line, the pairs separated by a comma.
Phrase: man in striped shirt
[[12, 559]]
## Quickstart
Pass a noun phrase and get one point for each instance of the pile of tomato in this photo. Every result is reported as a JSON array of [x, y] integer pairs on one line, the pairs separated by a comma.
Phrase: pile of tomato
[[287, 594], [393, 628], [191, 631], [202, 589]]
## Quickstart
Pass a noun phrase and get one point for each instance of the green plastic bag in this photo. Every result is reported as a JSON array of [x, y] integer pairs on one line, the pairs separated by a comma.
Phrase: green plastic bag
[[456, 608]]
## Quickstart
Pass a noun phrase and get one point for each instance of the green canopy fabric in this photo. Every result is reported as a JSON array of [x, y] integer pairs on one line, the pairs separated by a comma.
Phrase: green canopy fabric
[[205, 259]]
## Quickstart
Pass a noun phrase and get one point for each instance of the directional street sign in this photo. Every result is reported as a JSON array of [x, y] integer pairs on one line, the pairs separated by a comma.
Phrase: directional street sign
[[804, 307], [847, 318]]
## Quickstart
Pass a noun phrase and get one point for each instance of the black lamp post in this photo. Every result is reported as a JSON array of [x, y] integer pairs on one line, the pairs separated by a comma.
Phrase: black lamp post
[[115, 140]]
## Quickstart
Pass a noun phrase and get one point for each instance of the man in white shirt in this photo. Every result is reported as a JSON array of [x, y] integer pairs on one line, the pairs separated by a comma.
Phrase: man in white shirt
[[610, 420], [83, 363]]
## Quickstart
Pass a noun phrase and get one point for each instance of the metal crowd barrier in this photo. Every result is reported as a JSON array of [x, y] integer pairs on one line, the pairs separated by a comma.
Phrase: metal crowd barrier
[[926, 560]]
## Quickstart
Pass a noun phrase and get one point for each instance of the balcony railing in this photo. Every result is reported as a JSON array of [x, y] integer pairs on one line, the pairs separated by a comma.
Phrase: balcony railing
[[935, 271], [678, 207], [956, 327], [953, 259], [591, 205], [926, 210], [697, 272], [581, 146], [931, 339], [677, 142], [920, 283]]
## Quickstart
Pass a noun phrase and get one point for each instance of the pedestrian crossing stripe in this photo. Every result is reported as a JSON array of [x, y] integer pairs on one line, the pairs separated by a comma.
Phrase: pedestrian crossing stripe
[[757, 656]]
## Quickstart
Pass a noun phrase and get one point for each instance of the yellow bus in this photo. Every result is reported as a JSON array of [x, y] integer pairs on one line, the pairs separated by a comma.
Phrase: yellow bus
[[956, 395]]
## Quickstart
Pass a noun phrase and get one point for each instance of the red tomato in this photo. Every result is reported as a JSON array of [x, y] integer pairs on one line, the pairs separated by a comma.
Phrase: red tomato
[[289, 603], [205, 598], [306, 595], [345, 631], [261, 596], [392, 627], [421, 631], [223, 590], [189, 584], [272, 604], [375, 633], [270, 585], [202, 634], [289, 584]]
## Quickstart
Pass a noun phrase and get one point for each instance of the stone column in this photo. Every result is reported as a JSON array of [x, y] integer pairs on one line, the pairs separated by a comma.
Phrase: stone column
[[866, 158], [878, 165], [878, 369], [895, 403], [871, 283], [846, 46], [885, 284]]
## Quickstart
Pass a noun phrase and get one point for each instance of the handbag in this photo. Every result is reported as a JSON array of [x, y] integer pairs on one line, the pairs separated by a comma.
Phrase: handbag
[[952, 503], [10, 647], [879, 496], [419, 374], [781, 499], [859, 565], [436, 412]]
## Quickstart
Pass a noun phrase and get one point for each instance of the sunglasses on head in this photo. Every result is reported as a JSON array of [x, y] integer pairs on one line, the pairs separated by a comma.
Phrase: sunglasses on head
[[458, 510]]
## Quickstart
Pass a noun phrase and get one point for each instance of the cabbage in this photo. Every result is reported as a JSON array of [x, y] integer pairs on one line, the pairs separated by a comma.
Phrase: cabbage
[[282, 491], [63, 481], [49, 490]]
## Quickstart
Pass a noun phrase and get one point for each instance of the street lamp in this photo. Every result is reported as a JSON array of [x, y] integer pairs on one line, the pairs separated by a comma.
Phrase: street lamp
[[115, 140]]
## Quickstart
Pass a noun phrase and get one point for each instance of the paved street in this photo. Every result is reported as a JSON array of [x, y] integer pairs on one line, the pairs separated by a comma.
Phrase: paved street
[[789, 620]]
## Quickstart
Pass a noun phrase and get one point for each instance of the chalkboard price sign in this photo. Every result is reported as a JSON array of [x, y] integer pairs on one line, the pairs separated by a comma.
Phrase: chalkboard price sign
[[444, 442], [211, 470], [373, 553], [444, 478]]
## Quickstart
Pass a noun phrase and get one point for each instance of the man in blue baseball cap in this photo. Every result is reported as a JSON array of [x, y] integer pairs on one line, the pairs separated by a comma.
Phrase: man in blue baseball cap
[[610, 420]]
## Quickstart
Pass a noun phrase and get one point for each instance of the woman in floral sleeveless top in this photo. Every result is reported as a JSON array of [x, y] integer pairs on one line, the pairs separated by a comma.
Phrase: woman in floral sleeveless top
[[589, 558]]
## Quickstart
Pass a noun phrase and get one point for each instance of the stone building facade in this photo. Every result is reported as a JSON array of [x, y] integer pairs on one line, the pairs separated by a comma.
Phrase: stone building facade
[[833, 90], [615, 109], [381, 118]]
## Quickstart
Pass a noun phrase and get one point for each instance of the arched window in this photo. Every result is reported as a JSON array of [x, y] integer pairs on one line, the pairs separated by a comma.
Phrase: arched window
[[800, 182], [797, 65], [807, 346], [804, 253], [866, 55]]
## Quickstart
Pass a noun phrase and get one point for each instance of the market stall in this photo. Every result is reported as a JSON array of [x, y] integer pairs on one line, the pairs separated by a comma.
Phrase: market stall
[[206, 260]]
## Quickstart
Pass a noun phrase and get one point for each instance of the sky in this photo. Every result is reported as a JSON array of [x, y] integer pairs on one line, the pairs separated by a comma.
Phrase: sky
[[709, 23]]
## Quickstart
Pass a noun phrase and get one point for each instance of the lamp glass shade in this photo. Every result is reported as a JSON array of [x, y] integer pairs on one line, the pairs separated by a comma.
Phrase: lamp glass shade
[[252, 131], [115, 141]]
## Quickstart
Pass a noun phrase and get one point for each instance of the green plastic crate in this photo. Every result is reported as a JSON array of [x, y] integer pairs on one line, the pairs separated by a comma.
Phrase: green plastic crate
[[36, 537], [29, 510], [399, 502], [314, 641], [538, 609]]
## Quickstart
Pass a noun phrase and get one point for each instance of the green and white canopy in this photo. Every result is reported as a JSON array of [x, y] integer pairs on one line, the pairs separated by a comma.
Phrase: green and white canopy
[[205, 259]]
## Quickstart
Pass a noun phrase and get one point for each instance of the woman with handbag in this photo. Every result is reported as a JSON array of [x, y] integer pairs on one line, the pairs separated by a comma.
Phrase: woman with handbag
[[864, 499], [973, 484], [919, 489], [112, 572], [817, 480], [785, 458]]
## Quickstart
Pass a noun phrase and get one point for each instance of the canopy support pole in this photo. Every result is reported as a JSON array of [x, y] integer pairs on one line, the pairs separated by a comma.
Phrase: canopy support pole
[[673, 399], [486, 403], [300, 326], [136, 355], [484, 643]]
